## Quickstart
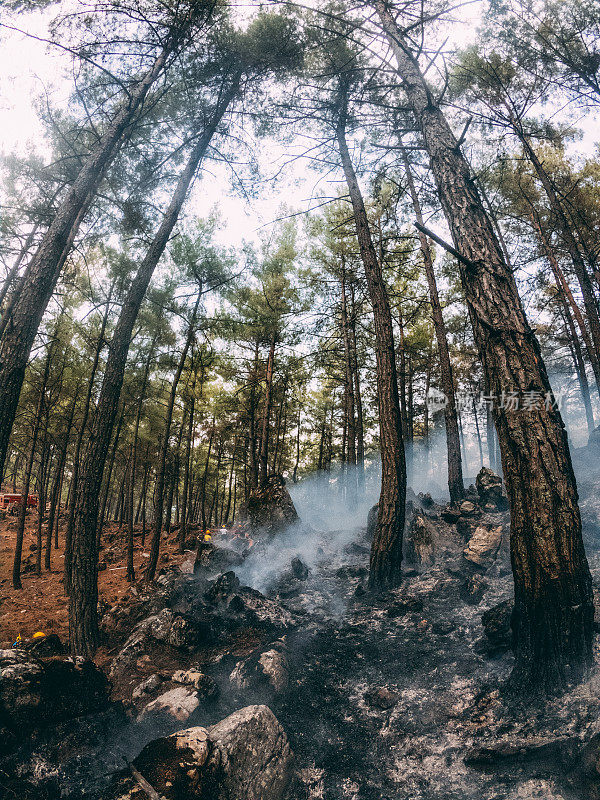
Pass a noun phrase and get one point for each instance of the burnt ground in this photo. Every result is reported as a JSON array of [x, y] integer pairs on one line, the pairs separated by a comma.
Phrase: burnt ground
[[399, 697]]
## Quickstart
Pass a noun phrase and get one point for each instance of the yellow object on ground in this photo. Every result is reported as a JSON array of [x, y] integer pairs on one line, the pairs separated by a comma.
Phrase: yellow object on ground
[[39, 635]]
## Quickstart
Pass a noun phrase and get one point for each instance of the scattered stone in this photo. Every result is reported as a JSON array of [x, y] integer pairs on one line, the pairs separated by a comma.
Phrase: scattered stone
[[467, 508], [147, 686], [483, 546], [489, 489], [177, 630], [382, 698], [203, 684], [473, 589], [496, 625], [221, 559], [179, 703], [223, 587], [270, 666], [403, 606], [299, 569], [450, 514], [35, 694]]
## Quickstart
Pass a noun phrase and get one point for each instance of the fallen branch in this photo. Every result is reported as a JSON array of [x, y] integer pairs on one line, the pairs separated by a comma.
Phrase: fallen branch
[[144, 785]]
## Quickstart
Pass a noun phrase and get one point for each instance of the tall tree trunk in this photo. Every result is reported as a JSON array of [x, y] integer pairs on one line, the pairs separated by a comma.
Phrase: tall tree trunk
[[386, 551], [298, 433], [205, 476], [585, 282], [350, 400], [553, 616], [57, 483], [83, 601], [76, 458], [253, 432], [159, 490], [360, 431], [187, 470], [44, 268], [564, 290], [266, 420], [455, 476], [16, 573], [578, 362], [136, 433], [44, 459]]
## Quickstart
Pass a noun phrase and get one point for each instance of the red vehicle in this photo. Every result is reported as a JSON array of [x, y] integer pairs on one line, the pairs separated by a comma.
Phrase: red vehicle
[[10, 502]]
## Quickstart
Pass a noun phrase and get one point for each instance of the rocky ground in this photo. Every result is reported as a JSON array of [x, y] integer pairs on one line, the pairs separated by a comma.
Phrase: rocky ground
[[213, 684]]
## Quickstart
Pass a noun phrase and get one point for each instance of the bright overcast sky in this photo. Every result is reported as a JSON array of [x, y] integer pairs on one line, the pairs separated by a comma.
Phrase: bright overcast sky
[[31, 71]]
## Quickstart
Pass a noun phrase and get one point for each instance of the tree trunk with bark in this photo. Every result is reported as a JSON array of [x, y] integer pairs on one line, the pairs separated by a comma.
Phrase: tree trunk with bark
[[455, 476], [386, 551], [554, 612], [83, 601], [44, 268]]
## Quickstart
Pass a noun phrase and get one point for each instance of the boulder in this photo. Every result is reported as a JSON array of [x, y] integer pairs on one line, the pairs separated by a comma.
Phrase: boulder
[[489, 489], [204, 685], [473, 589], [179, 703], [420, 542], [150, 684], [256, 758], [450, 514], [177, 630], [270, 666], [299, 569], [483, 546], [270, 508], [244, 757], [220, 559], [35, 694], [468, 509], [496, 623]]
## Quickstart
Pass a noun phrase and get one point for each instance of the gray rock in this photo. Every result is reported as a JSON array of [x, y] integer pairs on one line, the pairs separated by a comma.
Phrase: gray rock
[[179, 703], [35, 694], [483, 545], [489, 489], [166, 626], [473, 589], [270, 666], [204, 685], [256, 758], [149, 685], [496, 625]]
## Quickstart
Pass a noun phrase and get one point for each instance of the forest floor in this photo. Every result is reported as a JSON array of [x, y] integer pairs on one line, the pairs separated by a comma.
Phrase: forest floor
[[396, 697], [41, 605]]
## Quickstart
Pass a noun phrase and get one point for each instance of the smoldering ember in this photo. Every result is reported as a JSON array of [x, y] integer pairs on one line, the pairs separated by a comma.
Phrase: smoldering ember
[[299, 400]]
